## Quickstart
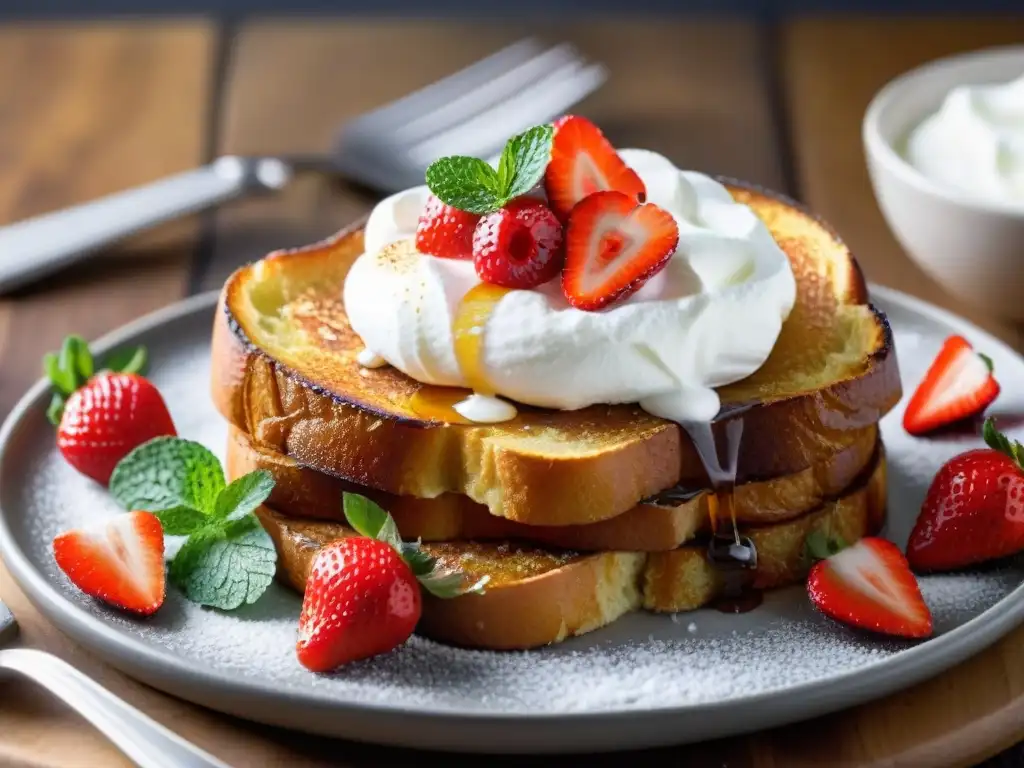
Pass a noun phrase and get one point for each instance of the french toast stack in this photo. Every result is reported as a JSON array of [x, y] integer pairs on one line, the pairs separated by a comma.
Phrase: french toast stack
[[577, 517]]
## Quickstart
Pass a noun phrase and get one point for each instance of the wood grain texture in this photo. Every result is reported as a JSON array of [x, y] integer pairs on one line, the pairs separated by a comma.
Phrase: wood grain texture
[[830, 71], [693, 90], [86, 111]]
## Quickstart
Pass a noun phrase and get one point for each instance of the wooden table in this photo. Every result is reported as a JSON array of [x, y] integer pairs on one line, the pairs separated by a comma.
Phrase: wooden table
[[88, 110]]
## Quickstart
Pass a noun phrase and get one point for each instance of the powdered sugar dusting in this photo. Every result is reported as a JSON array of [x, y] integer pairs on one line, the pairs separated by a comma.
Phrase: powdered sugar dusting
[[643, 661]]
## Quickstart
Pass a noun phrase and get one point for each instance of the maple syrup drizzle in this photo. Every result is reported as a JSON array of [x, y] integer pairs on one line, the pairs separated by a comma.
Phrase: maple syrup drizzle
[[733, 555], [471, 316]]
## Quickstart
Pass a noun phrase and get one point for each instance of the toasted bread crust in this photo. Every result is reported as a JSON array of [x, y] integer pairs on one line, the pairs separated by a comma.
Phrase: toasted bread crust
[[539, 597], [303, 492], [570, 595], [685, 579], [350, 430]]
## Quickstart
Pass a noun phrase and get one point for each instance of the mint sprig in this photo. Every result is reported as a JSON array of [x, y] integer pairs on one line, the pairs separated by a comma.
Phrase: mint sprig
[[73, 365], [370, 520], [472, 185], [229, 560]]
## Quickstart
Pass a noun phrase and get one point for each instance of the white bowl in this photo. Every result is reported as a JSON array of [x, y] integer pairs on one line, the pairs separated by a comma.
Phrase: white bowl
[[972, 247]]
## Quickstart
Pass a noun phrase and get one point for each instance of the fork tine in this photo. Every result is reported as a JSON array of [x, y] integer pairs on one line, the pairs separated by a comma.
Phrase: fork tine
[[429, 97], [487, 132], [485, 96]]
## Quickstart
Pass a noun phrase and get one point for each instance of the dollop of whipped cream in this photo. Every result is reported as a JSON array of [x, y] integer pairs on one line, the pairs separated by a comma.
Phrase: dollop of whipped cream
[[975, 142], [710, 317]]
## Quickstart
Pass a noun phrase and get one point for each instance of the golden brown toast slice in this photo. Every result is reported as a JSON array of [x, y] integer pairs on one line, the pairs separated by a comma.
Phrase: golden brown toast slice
[[303, 492], [537, 597], [533, 598], [284, 372]]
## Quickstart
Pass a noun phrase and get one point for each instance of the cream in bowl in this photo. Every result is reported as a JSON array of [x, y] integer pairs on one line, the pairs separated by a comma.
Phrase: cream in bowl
[[945, 151]]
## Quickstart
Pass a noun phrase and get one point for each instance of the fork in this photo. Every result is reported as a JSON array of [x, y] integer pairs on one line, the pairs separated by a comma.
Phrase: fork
[[471, 112], [143, 740]]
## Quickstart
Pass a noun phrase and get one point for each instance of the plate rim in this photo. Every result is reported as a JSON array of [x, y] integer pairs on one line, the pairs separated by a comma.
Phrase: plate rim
[[856, 686]]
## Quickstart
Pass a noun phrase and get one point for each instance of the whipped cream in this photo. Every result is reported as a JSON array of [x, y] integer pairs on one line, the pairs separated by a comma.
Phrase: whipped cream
[[975, 142], [710, 317]]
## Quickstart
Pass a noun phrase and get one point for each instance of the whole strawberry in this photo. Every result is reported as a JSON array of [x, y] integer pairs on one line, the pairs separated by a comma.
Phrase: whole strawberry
[[363, 593], [974, 510], [101, 417], [361, 600]]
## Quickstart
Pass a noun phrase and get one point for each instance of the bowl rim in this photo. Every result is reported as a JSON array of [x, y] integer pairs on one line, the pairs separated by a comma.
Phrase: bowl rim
[[885, 154]]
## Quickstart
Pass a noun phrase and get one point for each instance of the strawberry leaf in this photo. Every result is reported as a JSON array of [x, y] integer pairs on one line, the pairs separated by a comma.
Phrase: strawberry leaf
[[528, 155], [449, 584], [370, 520], [819, 546], [168, 472], [126, 360], [243, 495], [55, 410], [419, 561], [1000, 442], [466, 183]]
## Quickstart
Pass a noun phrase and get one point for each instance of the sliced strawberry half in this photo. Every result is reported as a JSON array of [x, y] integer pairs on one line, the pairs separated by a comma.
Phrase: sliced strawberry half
[[582, 162], [120, 562], [958, 385], [869, 585], [613, 247]]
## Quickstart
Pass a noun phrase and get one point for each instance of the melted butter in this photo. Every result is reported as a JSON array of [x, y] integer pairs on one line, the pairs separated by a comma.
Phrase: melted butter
[[468, 325]]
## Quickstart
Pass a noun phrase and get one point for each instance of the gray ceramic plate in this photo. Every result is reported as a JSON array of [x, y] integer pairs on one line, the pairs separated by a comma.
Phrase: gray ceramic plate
[[647, 680]]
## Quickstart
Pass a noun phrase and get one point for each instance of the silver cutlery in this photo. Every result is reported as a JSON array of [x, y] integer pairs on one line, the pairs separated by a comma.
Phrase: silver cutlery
[[143, 740], [471, 112]]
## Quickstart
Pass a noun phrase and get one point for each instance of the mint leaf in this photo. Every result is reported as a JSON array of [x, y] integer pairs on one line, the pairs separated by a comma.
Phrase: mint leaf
[[82, 358], [506, 169], [528, 155], [466, 183], [181, 521], [126, 360], [368, 519], [244, 494], [168, 472], [226, 566], [450, 584]]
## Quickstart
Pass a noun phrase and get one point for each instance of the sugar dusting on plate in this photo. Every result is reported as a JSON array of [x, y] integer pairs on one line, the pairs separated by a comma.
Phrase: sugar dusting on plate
[[644, 661]]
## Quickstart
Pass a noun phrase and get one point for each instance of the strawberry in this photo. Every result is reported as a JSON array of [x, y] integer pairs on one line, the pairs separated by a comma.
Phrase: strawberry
[[614, 246], [869, 585], [958, 385], [120, 562], [974, 510], [106, 418], [445, 231], [363, 592], [582, 162], [361, 599], [519, 245]]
